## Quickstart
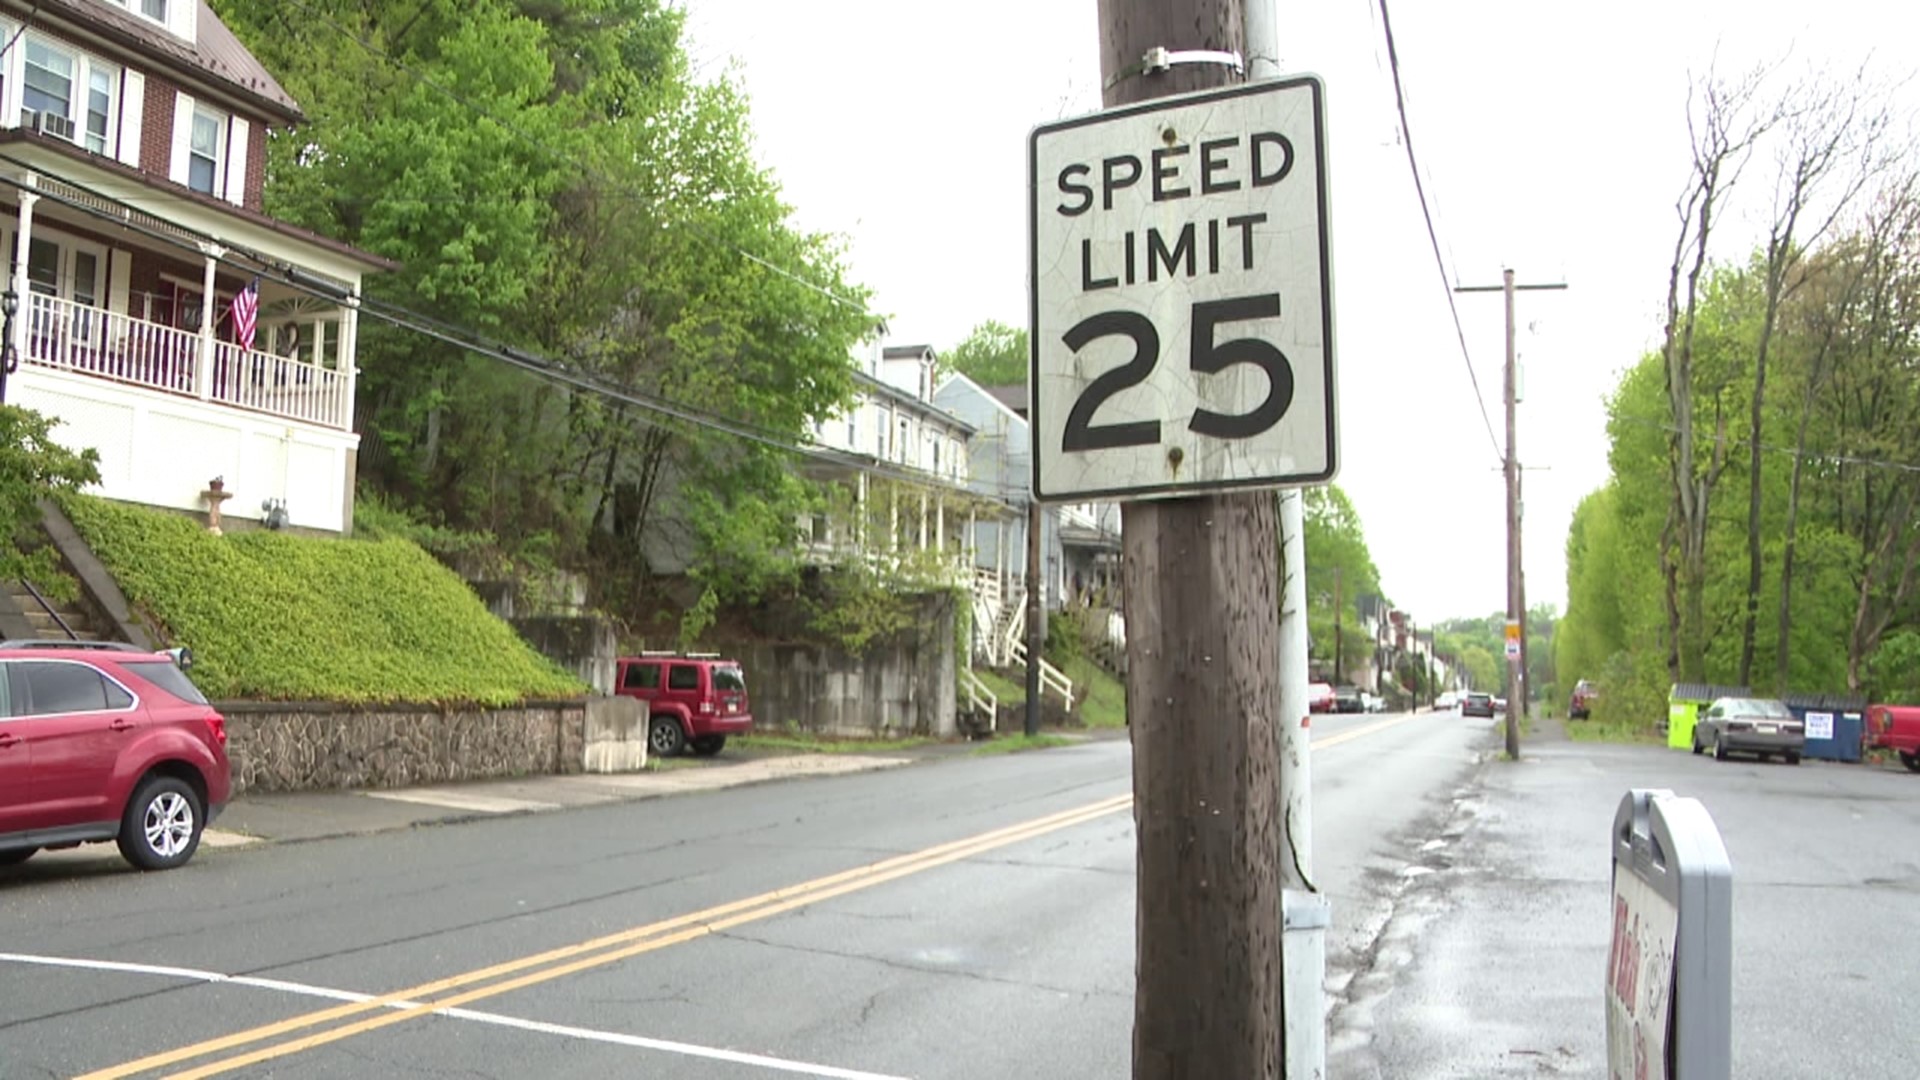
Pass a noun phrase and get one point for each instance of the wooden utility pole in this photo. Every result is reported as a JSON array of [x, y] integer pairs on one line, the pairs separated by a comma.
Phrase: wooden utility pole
[[1202, 594], [1516, 587]]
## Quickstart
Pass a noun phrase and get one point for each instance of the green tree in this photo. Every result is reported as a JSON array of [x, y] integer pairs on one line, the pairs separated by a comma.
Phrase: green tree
[[993, 354], [32, 467], [1339, 567]]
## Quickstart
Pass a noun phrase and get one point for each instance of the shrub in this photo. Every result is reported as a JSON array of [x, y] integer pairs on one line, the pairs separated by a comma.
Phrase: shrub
[[279, 617]]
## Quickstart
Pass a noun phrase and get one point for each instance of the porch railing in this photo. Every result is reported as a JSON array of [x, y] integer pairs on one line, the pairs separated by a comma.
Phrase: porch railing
[[76, 337]]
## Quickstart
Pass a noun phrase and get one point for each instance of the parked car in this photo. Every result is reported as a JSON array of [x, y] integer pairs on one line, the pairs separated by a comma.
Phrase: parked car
[[693, 700], [1447, 700], [1896, 728], [106, 742], [1347, 699], [1500, 705], [1319, 697], [1580, 706], [1475, 703], [1759, 726], [1373, 703]]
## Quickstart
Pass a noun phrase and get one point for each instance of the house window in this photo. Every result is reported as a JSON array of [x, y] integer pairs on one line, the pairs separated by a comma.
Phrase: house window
[[99, 109], [154, 9], [204, 150], [49, 79], [72, 87]]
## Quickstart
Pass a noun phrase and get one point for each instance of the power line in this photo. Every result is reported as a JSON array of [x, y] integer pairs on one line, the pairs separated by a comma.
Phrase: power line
[[523, 135], [534, 363], [1433, 237]]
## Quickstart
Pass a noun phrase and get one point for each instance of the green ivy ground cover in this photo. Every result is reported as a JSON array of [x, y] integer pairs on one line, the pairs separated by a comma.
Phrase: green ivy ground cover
[[276, 617]]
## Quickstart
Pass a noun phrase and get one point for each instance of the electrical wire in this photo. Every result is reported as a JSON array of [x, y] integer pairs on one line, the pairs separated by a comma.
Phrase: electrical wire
[[1785, 451], [1433, 237], [534, 363]]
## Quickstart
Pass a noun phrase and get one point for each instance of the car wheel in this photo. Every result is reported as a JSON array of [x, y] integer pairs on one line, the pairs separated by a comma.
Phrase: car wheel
[[709, 745], [1697, 748], [16, 856], [1910, 760], [1793, 759], [1719, 749], [161, 826], [665, 738]]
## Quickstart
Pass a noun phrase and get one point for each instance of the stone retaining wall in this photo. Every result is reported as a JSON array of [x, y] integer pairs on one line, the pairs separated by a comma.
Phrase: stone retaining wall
[[281, 746]]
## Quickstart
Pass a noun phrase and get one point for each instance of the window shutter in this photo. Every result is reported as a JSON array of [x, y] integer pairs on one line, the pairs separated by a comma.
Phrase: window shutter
[[119, 281], [133, 108], [182, 137], [237, 132]]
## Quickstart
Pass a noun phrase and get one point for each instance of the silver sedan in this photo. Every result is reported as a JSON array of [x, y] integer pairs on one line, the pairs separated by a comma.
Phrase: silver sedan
[[1759, 726]]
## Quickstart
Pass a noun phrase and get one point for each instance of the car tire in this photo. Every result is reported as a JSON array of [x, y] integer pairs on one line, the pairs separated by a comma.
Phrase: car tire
[[1719, 749], [1697, 748], [1910, 760], [16, 856], [709, 745], [160, 828], [1793, 759], [665, 738]]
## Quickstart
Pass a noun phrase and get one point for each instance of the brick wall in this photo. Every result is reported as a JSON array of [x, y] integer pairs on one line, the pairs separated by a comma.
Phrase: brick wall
[[256, 164], [156, 127]]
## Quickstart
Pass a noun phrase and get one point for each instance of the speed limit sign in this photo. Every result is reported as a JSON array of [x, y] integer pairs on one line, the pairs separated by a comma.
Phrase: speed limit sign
[[1182, 303]]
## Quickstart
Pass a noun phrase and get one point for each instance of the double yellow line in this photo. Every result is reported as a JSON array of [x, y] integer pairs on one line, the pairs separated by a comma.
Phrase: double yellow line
[[403, 1005]]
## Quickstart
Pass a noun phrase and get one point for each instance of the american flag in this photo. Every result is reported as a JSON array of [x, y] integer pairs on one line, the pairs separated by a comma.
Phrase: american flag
[[246, 307]]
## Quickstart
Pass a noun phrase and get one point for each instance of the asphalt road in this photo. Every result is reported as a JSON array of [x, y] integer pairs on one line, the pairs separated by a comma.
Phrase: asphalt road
[[964, 918]]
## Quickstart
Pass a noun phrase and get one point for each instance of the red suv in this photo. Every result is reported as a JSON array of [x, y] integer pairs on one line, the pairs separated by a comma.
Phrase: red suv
[[693, 699], [106, 742]]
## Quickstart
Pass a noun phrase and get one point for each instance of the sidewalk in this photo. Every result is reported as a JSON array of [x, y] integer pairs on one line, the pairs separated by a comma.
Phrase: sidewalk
[[285, 817]]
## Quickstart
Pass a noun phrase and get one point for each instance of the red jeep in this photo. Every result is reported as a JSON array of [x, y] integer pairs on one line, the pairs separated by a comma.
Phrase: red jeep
[[1897, 728], [693, 699]]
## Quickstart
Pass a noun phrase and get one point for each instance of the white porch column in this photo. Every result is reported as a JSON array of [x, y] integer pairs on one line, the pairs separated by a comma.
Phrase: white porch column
[[893, 519], [970, 543], [349, 359], [939, 524], [203, 371], [860, 515], [923, 519], [19, 286]]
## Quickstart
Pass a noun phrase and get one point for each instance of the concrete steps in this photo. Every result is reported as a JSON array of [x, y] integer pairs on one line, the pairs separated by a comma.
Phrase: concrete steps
[[48, 623]]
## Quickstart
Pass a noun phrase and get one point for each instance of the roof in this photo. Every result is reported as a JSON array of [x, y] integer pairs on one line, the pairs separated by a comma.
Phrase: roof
[[906, 352], [214, 54], [928, 408], [1705, 692], [1847, 702], [27, 137], [963, 380], [1013, 397]]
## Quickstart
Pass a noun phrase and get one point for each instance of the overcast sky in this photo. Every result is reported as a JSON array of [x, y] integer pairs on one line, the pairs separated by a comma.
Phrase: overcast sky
[[1551, 138]]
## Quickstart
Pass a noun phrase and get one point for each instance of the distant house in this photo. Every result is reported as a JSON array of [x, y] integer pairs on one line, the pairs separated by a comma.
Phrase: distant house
[[1080, 542], [132, 153]]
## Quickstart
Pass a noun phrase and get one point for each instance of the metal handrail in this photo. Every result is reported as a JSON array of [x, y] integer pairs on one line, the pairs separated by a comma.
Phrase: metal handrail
[[48, 608]]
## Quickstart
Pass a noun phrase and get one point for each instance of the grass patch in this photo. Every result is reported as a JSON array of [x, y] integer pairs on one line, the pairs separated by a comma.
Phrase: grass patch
[[656, 763], [1102, 698], [276, 617], [1614, 731], [1013, 744], [822, 744], [1008, 691]]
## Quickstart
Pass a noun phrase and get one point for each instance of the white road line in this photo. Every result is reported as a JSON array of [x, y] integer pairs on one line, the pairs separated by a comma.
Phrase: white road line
[[565, 1031], [458, 800]]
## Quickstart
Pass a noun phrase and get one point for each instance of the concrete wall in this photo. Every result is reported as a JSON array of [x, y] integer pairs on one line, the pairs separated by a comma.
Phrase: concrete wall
[[899, 688], [294, 746], [585, 646]]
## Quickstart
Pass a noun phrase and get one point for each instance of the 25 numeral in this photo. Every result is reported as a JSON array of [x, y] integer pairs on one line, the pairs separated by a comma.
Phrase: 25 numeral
[[1205, 355]]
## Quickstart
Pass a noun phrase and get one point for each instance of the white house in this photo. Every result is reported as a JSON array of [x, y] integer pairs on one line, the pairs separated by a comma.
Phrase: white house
[[132, 153]]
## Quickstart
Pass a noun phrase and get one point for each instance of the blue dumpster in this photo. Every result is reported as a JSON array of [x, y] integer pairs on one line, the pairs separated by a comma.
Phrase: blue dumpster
[[1835, 724]]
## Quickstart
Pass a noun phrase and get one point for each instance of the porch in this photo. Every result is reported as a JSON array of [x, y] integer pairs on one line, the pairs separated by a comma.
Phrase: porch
[[65, 335]]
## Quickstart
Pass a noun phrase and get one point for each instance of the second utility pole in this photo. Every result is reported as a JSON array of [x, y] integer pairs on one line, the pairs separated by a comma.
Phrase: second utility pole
[[1517, 688]]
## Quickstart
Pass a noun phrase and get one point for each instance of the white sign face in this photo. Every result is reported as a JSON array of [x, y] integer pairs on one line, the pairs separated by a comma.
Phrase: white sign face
[[1513, 650], [1182, 318], [1819, 725], [1639, 979]]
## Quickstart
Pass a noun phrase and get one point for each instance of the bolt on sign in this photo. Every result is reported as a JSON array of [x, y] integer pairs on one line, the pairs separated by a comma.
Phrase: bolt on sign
[[1669, 981], [1182, 300]]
